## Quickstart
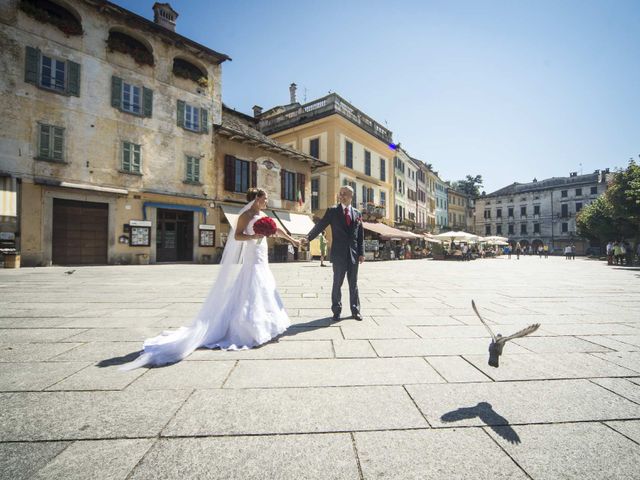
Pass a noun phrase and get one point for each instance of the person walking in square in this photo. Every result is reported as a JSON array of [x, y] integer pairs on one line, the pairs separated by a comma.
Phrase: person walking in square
[[323, 248]]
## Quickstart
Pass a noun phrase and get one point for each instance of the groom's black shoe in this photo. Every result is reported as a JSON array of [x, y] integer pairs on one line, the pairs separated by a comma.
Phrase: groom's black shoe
[[357, 316], [336, 317]]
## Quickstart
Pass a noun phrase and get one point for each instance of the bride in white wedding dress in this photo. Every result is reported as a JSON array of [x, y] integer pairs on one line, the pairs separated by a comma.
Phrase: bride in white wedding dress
[[243, 308]]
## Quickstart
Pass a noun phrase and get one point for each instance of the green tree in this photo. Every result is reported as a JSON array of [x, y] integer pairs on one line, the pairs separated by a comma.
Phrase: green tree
[[470, 185], [595, 221]]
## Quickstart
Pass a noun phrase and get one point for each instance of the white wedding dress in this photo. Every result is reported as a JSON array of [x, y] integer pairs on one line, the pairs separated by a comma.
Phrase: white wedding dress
[[242, 310]]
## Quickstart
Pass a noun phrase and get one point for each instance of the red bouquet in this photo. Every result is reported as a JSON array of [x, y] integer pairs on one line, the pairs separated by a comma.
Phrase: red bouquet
[[265, 226]]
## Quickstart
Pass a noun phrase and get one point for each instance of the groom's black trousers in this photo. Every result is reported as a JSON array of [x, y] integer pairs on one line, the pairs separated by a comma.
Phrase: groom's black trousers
[[339, 272]]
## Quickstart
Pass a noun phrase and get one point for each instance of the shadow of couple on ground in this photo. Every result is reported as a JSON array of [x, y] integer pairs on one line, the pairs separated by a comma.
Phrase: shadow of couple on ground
[[292, 331]]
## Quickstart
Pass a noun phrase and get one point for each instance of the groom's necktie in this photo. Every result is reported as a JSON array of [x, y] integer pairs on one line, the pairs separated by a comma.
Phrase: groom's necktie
[[347, 216]]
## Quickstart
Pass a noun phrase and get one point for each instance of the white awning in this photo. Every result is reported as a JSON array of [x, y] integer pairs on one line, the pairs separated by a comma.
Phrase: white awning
[[232, 213], [295, 223], [8, 197]]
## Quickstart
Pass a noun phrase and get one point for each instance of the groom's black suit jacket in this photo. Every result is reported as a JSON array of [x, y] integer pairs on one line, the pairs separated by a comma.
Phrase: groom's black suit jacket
[[347, 241]]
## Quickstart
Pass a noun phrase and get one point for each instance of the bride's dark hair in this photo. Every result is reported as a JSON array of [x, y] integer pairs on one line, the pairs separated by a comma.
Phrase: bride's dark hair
[[252, 193]]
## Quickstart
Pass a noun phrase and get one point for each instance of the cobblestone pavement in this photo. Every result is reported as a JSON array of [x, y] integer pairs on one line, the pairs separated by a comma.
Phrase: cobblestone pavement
[[406, 393]]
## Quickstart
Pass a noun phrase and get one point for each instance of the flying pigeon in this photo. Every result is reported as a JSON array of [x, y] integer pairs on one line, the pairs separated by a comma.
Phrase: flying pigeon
[[69, 272], [498, 341]]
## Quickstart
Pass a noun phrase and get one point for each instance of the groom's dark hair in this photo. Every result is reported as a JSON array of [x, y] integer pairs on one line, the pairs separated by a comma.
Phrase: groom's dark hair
[[252, 193]]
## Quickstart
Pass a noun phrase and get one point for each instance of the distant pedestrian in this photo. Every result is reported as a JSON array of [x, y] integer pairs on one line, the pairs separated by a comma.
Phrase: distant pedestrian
[[617, 253], [508, 247], [629, 254], [567, 252], [540, 251], [546, 251], [610, 253], [573, 252], [518, 250]]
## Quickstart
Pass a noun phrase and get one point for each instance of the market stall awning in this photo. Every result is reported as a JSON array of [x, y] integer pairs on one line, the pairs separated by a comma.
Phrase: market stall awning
[[232, 212], [8, 199], [388, 233], [295, 223]]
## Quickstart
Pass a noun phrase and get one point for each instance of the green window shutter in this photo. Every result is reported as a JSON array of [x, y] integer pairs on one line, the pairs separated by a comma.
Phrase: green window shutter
[[189, 169], [196, 169], [126, 156], [31, 65], [116, 92], [147, 100], [204, 123], [45, 138], [58, 143], [136, 159], [180, 113], [73, 87]]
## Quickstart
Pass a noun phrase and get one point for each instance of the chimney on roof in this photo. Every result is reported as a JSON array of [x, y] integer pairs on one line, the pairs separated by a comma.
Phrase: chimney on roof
[[535, 179], [165, 16], [257, 111], [573, 174], [292, 92]]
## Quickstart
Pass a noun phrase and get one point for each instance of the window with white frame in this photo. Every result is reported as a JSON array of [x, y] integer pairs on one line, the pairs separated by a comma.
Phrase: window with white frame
[[52, 73], [191, 117], [131, 98], [131, 159]]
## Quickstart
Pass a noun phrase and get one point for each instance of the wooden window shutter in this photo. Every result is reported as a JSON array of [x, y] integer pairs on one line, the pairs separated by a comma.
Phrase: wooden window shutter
[[229, 173], [45, 139], [58, 143], [283, 175], [73, 85], [31, 65], [254, 174], [116, 92], [147, 102], [204, 120], [364, 194], [181, 116], [301, 184]]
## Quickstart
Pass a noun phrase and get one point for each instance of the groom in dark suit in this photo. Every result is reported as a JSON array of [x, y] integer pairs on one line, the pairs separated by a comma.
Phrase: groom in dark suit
[[347, 250]]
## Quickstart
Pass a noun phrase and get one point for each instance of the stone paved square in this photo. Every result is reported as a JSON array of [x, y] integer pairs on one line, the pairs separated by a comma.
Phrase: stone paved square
[[406, 393]]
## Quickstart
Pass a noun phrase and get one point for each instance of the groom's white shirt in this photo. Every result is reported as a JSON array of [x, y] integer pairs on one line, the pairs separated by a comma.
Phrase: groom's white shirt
[[350, 209]]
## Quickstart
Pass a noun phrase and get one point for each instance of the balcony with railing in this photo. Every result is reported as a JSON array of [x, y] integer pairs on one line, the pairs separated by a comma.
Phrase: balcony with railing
[[323, 107]]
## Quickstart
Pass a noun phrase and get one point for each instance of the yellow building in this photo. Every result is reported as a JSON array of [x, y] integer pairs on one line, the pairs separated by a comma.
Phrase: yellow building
[[457, 210], [358, 151]]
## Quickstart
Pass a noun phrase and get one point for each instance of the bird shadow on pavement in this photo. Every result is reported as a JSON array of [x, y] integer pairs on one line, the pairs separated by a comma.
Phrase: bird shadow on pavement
[[485, 412]]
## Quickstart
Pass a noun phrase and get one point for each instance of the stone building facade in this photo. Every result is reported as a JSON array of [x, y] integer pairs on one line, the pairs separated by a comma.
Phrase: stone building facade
[[540, 212], [106, 127], [358, 151]]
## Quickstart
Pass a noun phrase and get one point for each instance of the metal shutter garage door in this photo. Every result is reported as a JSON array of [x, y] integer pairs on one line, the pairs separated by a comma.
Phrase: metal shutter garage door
[[79, 232]]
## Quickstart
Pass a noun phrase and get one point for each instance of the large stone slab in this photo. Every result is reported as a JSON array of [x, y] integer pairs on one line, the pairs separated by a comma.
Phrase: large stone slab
[[621, 386], [34, 352], [353, 349], [611, 342], [20, 460], [416, 320], [629, 360], [294, 410], [433, 454], [457, 369], [37, 335], [334, 372], [357, 332], [85, 415], [572, 451], [329, 456], [99, 351], [534, 366], [97, 378], [111, 459], [501, 403], [591, 329], [30, 376], [562, 344], [628, 428], [270, 351], [202, 374], [436, 346]]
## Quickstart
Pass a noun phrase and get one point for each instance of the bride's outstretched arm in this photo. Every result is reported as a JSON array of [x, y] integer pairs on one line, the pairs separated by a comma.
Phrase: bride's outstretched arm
[[281, 233]]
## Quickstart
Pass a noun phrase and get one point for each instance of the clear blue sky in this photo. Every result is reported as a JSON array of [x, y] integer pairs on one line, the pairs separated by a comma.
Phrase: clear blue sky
[[511, 90]]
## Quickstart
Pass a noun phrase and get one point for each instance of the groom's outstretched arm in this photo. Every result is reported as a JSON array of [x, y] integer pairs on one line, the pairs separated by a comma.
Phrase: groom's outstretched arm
[[320, 226]]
